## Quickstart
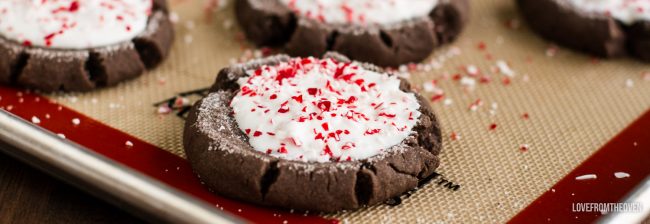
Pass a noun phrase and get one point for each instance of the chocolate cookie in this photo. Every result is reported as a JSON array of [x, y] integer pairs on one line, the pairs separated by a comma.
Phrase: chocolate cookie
[[602, 28], [326, 144], [386, 33], [83, 45]]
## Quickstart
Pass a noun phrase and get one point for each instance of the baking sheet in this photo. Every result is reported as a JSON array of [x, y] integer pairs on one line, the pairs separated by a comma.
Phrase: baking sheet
[[575, 103]]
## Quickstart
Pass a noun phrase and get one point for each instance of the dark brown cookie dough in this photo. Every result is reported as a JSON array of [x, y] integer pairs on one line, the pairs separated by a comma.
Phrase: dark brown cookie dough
[[221, 155], [269, 22], [49, 69], [639, 40], [591, 33]]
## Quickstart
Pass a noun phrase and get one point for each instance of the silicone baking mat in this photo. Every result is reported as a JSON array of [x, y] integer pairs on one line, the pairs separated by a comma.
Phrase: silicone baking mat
[[517, 112]]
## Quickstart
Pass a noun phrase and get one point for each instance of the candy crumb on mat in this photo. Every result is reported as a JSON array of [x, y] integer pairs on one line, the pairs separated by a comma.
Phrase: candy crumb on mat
[[621, 175], [587, 177], [36, 120]]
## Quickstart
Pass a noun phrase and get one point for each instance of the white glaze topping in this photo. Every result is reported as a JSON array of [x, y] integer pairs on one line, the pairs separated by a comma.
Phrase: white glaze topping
[[321, 110], [73, 24], [626, 11], [361, 12]]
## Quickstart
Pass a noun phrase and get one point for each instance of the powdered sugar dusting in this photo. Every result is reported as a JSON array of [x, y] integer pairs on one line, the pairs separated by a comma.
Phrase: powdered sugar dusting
[[214, 118]]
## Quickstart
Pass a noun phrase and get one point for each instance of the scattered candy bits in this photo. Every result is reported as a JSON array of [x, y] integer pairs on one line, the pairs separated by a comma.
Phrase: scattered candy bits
[[128, 144], [621, 175], [587, 177], [524, 147], [551, 51], [493, 126], [629, 83], [36, 120], [646, 76], [76, 121], [454, 136]]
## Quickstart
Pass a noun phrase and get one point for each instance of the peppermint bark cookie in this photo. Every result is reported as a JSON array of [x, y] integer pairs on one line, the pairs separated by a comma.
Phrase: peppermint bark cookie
[[605, 28], [73, 45], [383, 32], [311, 134]]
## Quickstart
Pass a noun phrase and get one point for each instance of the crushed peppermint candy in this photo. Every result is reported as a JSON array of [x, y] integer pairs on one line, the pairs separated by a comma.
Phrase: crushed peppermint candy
[[430, 87], [524, 147], [474, 106], [361, 12], [621, 175], [128, 144], [454, 136], [646, 76], [164, 109], [481, 46], [493, 126], [188, 38], [322, 110], [505, 69], [551, 51], [174, 17], [468, 82], [472, 70], [211, 6], [587, 177], [629, 83], [493, 108], [36, 120], [73, 24], [76, 121], [513, 24], [448, 102]]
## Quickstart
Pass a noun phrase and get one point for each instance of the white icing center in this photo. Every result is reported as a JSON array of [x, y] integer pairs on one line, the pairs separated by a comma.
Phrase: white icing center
[[361, 12], [626, 11], [73, 24], [321, 110]]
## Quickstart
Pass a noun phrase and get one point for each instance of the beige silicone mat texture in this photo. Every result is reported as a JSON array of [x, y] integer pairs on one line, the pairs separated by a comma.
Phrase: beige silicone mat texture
[[575, 106]]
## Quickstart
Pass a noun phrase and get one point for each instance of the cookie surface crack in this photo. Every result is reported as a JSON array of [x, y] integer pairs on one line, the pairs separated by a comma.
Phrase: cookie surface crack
[[363, 189], [331, 40], [397, 170], [17, 68], [269, 177]]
